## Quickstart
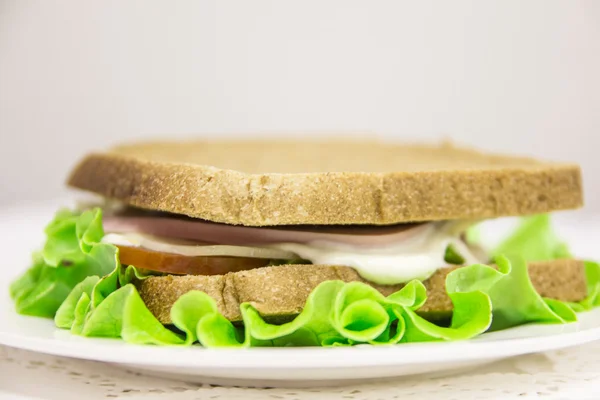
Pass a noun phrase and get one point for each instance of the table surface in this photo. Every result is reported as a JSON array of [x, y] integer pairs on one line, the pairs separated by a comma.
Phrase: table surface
[[572, 373]]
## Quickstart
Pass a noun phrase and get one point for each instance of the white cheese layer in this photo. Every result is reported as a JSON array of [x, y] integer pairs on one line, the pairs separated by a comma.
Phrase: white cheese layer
[[415, 258]]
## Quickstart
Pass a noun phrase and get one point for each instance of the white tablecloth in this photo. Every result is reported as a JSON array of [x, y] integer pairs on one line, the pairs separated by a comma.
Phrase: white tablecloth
[[572, 373]]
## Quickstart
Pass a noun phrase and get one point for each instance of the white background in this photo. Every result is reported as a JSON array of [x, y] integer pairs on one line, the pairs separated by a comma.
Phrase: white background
[[518, 76]]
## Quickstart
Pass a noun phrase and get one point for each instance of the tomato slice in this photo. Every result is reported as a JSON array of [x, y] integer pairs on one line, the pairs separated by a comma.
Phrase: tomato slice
[[178, 264]]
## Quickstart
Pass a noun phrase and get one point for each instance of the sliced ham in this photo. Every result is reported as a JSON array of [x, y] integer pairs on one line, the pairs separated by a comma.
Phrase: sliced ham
[[208, 232]]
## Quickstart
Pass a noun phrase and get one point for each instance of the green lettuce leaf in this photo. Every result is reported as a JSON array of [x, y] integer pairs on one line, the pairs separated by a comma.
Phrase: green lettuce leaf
[[66, 314], [533, 240], [72, 252], [514, 299], [112, 307]]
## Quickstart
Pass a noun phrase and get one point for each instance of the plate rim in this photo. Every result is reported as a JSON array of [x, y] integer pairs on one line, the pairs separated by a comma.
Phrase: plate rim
[[117, 351]]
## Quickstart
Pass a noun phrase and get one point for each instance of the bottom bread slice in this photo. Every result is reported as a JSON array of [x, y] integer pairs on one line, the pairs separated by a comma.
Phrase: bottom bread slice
[[279, 293]]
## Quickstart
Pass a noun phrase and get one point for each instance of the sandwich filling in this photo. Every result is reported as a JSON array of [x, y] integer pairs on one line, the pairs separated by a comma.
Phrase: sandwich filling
[[384, 255]]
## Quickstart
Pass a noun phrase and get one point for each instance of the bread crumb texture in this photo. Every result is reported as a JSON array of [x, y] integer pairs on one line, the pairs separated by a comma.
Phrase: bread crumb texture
[[261, 183]]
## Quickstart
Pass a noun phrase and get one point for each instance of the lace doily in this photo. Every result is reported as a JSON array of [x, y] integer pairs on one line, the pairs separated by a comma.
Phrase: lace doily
[[572, 373]]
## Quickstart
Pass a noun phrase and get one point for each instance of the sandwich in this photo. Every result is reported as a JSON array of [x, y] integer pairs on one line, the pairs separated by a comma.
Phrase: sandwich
[[306, 243]]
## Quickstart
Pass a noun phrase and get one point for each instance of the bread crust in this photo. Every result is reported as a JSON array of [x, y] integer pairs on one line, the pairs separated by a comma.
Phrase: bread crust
[[279, 293], [327, 183]]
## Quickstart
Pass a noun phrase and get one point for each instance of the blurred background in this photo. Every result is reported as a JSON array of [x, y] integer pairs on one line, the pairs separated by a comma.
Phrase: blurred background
[[517, 76]]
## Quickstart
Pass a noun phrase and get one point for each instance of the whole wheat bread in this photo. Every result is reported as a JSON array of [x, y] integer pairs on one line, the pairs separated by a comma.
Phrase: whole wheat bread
[[279, 293], [263, 183]]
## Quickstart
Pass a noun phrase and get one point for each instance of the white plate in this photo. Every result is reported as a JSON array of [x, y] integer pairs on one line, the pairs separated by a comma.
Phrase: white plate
[[20, 231]]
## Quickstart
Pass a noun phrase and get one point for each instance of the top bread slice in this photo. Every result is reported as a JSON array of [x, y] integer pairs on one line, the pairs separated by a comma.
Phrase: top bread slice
[[262, 183]]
